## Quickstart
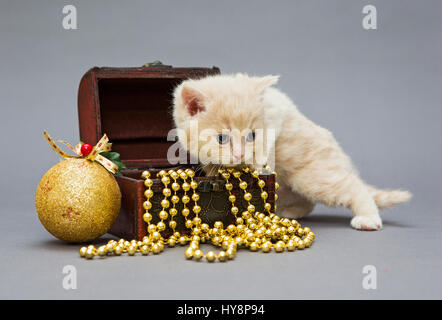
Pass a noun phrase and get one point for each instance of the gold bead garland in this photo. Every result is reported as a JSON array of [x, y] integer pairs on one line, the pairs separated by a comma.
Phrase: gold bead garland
[[254, 230]]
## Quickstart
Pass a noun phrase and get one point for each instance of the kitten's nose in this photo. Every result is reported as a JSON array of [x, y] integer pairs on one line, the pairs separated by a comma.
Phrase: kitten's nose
[[238, 156]]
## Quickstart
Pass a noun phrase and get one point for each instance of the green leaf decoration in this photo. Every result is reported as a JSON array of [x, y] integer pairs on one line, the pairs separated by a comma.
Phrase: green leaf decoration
[[115, 158], [111, 155]]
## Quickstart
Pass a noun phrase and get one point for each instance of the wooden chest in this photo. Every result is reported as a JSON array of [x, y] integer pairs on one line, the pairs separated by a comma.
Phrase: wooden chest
[[133, 107]]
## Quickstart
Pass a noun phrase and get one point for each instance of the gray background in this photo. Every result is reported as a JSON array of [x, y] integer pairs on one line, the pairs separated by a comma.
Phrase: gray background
[[379, 91]]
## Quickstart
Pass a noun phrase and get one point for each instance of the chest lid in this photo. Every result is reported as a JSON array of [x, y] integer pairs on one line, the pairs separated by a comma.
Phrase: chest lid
[[133, 107]]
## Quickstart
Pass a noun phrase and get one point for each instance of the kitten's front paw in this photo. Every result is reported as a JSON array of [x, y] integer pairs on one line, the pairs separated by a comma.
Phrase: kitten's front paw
[[371, 223]]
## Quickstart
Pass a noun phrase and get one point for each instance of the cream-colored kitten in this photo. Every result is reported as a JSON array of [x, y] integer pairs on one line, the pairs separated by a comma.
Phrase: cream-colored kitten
[[311, 165]]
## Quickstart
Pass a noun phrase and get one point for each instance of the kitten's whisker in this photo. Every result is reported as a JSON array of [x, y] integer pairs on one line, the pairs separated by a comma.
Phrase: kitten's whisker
[[198, 169]]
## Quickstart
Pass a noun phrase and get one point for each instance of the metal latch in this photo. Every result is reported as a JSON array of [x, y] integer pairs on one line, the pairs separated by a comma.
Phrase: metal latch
[[156, 63], [208, 186]]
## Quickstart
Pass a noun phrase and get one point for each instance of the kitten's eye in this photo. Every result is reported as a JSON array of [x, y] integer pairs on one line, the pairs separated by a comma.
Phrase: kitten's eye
[[250, 137], [223, 138]]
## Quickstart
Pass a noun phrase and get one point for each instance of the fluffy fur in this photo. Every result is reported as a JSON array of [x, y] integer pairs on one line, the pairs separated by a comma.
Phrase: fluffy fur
[[311, 165]]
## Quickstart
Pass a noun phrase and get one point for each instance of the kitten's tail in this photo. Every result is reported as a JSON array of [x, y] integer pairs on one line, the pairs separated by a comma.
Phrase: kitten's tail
[[388, 198]]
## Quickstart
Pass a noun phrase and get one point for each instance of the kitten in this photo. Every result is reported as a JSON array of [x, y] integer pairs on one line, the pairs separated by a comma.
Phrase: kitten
[[310, 164]]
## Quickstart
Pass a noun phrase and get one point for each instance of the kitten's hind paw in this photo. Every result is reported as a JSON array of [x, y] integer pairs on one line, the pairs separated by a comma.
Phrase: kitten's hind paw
[[371, 223]]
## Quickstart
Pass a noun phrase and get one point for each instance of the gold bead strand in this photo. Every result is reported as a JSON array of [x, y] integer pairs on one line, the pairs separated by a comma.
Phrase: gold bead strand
[[148, 193], [173, 211], [254, 229], [247, 195], [156, 238], [276, 231], [264, 195], [185, 199], [263, 221], [147, 217], [261, 231], [195, 197], [239, 226], [195, 224], [231, 245], [229, 187], [247, 216], [199, 229], [165, 203], [268, 168]]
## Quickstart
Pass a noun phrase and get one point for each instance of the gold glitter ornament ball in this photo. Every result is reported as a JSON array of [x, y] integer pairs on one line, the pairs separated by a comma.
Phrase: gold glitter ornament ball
[[77, 200]]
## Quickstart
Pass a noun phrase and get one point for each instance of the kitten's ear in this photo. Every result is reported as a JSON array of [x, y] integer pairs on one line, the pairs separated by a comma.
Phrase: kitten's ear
[[193, 100], [262, 83]]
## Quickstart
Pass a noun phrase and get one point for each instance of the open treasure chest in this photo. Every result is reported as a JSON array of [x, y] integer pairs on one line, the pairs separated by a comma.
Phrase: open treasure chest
[[133, 107]]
